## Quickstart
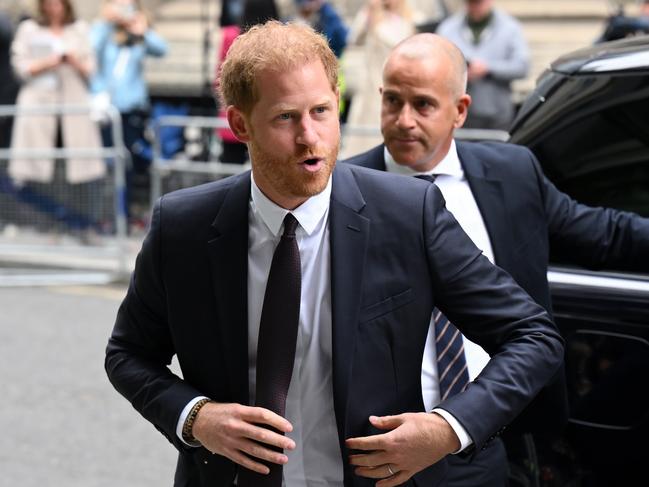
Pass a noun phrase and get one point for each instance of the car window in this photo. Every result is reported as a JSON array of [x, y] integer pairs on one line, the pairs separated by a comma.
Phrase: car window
[[603, 368], [595, 141]]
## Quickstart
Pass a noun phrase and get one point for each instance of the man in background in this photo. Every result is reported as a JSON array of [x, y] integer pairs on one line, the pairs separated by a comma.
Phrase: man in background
[[494, 46]]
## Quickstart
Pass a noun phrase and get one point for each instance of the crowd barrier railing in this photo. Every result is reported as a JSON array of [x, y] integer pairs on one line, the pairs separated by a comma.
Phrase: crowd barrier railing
[[116, 156], [164, 166]]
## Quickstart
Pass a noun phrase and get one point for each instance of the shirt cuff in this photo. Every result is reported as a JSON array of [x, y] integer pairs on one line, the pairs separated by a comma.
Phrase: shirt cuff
[[463, 436], [183, 418]]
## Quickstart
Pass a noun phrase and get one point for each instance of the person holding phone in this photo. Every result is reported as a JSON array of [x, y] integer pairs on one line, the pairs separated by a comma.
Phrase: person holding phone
[[122, 38]]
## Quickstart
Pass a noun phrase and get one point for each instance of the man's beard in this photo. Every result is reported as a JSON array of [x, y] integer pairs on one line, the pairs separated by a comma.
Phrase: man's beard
[[286, 176]]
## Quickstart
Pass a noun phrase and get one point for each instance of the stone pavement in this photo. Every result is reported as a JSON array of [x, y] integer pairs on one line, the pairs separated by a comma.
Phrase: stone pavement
[[62, 422]]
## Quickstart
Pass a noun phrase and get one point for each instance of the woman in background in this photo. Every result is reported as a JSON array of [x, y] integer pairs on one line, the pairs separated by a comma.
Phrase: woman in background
[[122, 39], [378, 27], [53, 59]]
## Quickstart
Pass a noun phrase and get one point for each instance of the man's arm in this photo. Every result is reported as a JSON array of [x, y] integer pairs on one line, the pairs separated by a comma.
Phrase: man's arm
[[593, 237], [137, 358], [491, 310], [140, 347]]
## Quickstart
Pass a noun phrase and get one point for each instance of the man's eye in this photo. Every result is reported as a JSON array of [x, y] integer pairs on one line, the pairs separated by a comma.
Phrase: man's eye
[[423, 104], [321, 109], [284, 116]]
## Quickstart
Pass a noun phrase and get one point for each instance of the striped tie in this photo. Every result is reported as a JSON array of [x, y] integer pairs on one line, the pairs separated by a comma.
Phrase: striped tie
[[451, 362]]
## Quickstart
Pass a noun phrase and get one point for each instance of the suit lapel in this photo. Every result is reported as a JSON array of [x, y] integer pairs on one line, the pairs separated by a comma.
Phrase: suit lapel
[[349, 232], [489, 195], [228, 253]]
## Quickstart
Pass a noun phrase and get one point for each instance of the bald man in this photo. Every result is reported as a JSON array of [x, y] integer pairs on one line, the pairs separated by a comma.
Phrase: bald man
[[502, 200]]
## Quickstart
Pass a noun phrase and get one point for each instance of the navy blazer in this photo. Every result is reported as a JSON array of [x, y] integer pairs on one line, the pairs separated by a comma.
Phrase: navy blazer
[[396, 252], [527, 217]]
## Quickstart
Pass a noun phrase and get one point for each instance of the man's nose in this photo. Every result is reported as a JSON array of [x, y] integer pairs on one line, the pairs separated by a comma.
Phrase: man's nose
[[307, 134], [406, 120]]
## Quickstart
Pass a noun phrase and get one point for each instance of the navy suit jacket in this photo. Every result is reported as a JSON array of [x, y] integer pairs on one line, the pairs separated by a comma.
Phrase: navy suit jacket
[[395, 254], [527, 217]]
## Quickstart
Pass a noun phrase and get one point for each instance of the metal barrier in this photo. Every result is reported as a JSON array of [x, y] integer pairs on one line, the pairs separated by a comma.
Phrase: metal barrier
[[48, 224], [191, 172]]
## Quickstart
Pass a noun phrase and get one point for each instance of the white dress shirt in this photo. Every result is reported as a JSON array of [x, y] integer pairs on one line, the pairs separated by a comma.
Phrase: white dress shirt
[[316, 460], [455, 188], [309, 405]]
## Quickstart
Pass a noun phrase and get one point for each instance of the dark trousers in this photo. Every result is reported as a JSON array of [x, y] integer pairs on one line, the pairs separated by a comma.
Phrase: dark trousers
[[488, 468]]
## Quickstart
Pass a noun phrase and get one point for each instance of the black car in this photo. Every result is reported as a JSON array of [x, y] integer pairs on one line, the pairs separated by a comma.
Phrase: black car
[[587, 121]]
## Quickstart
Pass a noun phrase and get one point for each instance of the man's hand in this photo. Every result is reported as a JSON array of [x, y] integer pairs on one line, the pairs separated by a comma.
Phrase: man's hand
[[415, 441], [240, 433]]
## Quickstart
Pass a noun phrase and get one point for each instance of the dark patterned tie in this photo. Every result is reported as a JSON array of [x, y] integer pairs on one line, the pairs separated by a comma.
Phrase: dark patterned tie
[[278, 328], [452, 371]]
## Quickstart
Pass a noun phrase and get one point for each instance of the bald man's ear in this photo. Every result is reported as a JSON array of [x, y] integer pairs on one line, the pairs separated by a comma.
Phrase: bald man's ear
[[238, 123], [462, 106]]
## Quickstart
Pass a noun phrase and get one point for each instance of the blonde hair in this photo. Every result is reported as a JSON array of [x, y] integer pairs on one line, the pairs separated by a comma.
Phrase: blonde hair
[[270, 46]]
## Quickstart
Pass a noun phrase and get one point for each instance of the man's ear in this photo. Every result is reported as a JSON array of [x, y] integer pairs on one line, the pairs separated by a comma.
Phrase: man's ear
[[238, 123], [462, 106]]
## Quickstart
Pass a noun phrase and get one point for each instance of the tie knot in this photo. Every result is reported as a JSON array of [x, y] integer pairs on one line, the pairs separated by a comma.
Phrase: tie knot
[[290, 224], [427, 177]]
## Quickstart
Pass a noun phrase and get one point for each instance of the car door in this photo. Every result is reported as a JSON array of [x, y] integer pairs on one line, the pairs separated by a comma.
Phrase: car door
[[590, 130]]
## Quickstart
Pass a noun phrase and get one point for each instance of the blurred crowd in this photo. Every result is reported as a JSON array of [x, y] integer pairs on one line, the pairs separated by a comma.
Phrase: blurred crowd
[[53, 57]]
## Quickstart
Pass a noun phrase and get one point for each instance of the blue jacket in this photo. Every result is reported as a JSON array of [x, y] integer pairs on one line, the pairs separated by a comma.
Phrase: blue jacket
[[120, 69], [334, 29]]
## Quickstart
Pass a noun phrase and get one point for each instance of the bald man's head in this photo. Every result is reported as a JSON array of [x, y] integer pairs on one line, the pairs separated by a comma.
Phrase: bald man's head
[[423, 100], [434, 50]]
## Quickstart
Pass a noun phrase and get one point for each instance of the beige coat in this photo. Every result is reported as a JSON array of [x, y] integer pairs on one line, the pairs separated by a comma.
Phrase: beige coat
[[62, 85]]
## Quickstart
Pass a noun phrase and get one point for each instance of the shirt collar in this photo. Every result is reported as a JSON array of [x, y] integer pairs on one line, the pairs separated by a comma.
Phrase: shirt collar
[[308, 214], [449, 166]]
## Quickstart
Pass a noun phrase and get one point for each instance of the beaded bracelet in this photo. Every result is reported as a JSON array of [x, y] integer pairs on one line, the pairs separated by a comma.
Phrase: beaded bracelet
[[191, 417]]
